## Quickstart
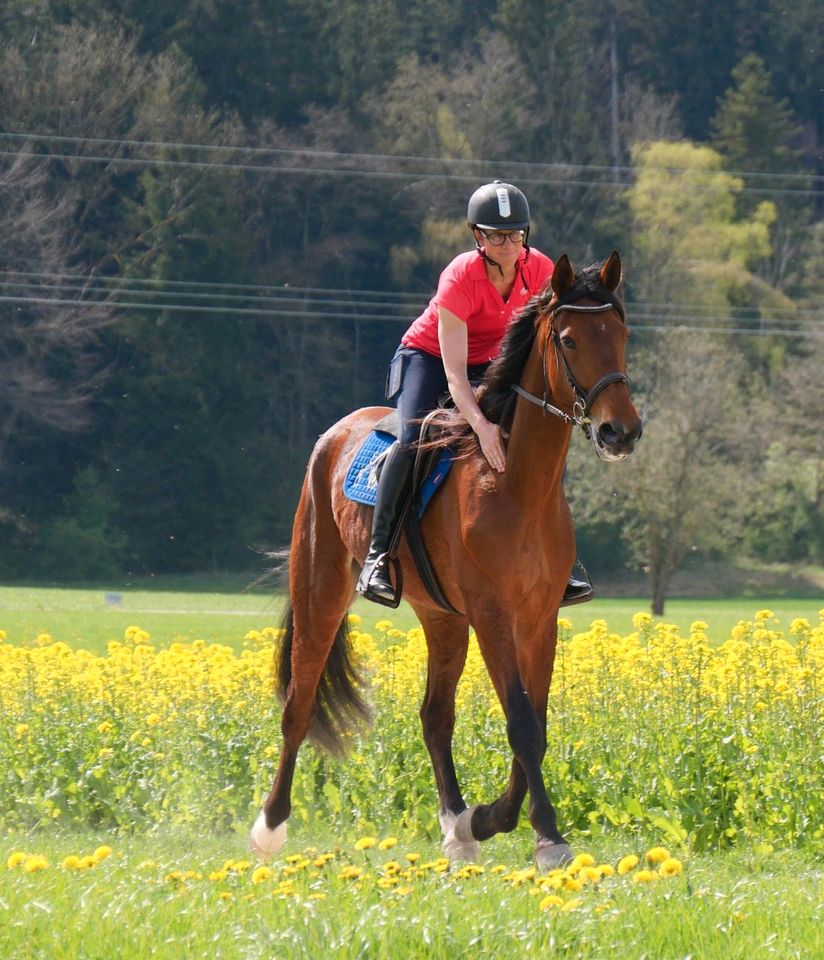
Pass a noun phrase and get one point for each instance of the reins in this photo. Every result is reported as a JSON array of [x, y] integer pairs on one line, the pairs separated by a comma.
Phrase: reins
[[582, 406]]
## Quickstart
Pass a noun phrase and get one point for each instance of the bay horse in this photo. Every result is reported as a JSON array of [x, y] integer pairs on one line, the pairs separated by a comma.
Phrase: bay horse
[[502, 546]]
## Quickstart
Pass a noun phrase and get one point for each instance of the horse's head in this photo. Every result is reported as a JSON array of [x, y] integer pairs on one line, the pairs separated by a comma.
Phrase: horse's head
[[584, 335]]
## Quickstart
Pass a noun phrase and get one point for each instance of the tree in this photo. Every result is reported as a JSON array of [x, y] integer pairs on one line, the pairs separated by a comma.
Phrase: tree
[[688, 484], [689, 248]]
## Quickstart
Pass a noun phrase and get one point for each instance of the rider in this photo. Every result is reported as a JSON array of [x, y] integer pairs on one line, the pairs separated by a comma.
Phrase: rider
[[449, 347]]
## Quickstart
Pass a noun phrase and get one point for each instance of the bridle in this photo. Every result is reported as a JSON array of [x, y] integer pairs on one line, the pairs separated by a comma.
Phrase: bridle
[[582, 406]]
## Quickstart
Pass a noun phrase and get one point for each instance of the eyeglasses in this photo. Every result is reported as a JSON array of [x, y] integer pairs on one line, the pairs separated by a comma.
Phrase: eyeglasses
[[497, 238]]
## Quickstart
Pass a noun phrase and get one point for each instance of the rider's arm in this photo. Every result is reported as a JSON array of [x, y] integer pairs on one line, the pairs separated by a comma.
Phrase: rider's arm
[[453, 338]]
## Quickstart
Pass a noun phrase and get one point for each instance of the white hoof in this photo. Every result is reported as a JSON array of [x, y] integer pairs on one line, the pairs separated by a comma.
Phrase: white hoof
[[265, 842], [550, 856], [458, 842]]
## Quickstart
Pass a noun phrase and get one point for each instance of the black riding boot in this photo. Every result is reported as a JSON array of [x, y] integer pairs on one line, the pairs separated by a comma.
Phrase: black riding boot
[[375, 582], [577, 591]]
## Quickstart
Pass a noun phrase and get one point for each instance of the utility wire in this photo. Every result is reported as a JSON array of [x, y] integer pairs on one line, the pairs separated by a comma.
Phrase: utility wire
[[684, 321], [384, 157], [358, 298], [381, 174]]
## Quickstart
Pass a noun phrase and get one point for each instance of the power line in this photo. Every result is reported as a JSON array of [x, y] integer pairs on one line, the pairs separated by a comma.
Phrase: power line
[[677, 321], [423, 175], [384, 157], [356, 298]]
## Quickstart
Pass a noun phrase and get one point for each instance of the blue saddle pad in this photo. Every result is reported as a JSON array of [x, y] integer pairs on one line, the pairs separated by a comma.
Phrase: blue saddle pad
[[361, 485]]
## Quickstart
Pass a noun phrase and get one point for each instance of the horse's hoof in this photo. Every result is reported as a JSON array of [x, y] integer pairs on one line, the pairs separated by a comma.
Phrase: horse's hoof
[[458, 842], [265, 842], [550, 856]]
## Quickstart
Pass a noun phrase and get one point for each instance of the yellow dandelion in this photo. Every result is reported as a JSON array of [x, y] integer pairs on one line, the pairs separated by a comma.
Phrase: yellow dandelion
[[152, 720], [354, 620], [571, 905], [21, 729], [2, 635], [384, 625], [35, 863], [387, 843], [403, 891], [71, 862], [551, 900], [644, 876], [627, 864], [365, 843], [226, 895], [573, 884], [579, 861], [261, 874], [86, 863], [589, 875], [413, 857], [350, 873], [17, 859], [316, 896], [671, 867], [657, 855], [606, 870], [101, 853]]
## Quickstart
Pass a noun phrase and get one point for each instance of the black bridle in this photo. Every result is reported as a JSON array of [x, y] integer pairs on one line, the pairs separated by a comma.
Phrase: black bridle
[[582, 406]]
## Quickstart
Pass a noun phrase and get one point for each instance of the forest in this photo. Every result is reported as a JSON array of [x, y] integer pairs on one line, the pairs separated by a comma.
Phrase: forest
[[217, 221]]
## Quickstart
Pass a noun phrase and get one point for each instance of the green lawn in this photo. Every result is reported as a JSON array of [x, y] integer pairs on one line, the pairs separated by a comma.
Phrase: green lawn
[[85, 617], [167, 896]]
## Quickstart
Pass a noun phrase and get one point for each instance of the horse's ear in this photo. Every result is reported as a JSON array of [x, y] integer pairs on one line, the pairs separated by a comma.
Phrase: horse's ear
[[563, 276], [611, 273]]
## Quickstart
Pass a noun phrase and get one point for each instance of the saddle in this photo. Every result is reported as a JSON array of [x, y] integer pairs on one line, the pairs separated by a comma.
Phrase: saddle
[[431, 469]]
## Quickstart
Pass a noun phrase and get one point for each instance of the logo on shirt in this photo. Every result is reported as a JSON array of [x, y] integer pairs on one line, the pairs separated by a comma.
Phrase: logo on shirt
[[503, 202]]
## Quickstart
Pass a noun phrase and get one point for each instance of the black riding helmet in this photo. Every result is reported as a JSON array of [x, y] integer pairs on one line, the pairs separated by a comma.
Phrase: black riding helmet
[[498, 206]]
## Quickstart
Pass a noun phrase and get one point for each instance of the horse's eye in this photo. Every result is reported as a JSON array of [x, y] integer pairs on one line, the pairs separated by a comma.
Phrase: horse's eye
[[568, 342]]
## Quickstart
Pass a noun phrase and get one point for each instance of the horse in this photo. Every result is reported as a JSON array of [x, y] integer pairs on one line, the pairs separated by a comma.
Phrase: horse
[[502, 546]]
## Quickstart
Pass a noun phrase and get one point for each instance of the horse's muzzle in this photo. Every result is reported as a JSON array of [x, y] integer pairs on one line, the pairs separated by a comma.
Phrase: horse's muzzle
[[615, 440]]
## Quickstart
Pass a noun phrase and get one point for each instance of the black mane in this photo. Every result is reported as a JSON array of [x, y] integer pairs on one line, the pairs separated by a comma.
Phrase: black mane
[[496, 397]]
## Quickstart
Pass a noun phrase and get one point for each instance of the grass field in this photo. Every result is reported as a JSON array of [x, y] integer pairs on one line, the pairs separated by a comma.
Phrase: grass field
[[84, 617], [174, 895], [180, 738]]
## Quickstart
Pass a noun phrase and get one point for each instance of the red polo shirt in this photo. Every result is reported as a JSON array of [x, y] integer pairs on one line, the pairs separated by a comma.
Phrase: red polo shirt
[[465, 290]]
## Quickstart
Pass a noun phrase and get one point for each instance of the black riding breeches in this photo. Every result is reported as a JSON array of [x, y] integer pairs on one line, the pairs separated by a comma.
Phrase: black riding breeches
[[423, 384]]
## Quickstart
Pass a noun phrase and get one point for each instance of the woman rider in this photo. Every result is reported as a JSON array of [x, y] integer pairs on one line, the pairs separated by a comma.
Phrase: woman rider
[[448, 348]]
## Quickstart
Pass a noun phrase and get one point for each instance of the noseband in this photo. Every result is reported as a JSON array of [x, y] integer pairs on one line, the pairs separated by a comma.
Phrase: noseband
[[584, 399]]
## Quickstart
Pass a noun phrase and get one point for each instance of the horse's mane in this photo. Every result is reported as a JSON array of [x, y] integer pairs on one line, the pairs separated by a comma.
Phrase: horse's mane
[[495, 395]]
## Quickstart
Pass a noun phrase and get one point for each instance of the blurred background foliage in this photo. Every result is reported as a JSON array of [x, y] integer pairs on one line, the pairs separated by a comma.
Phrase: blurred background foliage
[[217, 221]]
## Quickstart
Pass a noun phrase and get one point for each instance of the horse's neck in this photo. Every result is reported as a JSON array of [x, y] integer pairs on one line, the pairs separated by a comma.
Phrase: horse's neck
[[537, 446]]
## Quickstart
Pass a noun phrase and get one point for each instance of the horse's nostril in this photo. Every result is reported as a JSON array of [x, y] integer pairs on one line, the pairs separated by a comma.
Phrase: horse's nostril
[[611, 435], [608, 434]]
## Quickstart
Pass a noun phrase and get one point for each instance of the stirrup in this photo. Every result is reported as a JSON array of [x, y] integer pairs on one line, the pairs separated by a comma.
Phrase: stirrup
[[382, 591], [577, 591]]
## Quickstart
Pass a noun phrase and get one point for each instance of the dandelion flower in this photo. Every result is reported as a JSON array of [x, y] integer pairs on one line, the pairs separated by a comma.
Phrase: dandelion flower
[[606, 870], [365, 843], [579, 861], [350, 873], [644, 876], [16, 859], [71, 862], [671, 867], [573, 884], [387, 843], [261, 874], [101, 853], [657, 855], [21, 729], [414, 857], [35, 863], [551, 900], [384, 625], [627, 864], [571, 905]]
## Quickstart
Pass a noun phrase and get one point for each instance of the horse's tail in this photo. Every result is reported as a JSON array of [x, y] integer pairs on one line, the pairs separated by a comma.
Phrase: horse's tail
[[339, 706]]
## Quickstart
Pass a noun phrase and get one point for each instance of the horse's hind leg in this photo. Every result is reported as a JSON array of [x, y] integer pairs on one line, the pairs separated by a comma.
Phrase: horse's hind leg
[[315, 673], [447, 638]]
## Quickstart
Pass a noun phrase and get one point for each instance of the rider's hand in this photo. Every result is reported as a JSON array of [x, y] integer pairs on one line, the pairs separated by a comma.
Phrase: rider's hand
[[489, 437]]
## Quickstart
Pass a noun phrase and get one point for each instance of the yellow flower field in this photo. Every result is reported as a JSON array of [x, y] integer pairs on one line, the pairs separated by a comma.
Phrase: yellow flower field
[[703, 743]]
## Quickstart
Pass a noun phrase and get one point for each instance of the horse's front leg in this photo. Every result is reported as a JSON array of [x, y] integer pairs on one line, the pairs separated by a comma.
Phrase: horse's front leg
[[521, 671], [447, 640]]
